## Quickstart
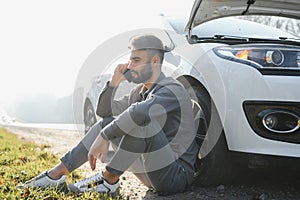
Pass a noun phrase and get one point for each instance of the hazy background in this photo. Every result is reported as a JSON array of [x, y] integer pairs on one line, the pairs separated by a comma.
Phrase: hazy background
[[43, 44]]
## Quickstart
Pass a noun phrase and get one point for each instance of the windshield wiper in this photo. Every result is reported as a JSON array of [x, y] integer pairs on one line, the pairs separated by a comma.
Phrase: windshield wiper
[[215, 38], [290, 39], [229, 39]]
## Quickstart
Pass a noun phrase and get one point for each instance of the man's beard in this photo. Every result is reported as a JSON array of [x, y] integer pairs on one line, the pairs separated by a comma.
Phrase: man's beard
[[144, 75]]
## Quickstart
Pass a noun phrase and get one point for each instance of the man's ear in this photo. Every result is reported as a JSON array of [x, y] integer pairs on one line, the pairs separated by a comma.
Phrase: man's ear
[[155, 59]]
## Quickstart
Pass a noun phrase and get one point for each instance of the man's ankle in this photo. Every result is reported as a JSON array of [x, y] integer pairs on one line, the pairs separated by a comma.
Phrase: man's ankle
[[54, 175], [110, 178], [58, 171]]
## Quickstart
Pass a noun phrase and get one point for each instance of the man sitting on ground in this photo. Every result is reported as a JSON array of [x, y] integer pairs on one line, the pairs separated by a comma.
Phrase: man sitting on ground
[[152, 130]]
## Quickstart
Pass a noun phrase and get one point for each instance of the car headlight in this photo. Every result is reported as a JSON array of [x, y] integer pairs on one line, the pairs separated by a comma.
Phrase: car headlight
[[262, 56]]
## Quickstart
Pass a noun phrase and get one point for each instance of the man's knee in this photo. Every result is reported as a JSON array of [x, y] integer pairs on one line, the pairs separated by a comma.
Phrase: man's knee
[[132, 144], [94, 131], [105, 121]]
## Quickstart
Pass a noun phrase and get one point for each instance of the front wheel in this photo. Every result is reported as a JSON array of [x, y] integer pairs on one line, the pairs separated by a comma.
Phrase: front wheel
[[214, 164]]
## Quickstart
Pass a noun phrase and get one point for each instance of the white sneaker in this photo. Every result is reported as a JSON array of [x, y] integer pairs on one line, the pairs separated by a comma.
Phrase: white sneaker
[[44, 181], [95, 183]]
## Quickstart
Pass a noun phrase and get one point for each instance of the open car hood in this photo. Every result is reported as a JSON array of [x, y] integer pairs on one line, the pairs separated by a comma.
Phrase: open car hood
[[205, 10]]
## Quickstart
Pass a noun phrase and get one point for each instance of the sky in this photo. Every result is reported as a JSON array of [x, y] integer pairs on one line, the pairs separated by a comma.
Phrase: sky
[[43, 44]]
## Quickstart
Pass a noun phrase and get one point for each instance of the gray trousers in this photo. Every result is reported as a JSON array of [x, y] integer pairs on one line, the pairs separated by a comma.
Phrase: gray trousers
[[159, 169]]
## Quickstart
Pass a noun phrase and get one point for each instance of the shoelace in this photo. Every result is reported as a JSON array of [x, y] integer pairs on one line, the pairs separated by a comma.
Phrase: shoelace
[[87, 181]]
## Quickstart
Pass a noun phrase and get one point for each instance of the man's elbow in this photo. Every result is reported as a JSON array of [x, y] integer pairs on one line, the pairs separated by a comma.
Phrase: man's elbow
[[140, 117], [103, 114]]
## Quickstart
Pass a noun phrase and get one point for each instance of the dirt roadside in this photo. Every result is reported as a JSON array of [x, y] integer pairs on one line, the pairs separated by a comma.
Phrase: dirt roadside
[[259, 187]]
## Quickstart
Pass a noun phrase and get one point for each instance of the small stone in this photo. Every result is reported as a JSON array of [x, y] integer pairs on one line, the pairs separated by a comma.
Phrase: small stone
[[262, 197], [201, 196], [221, 188]]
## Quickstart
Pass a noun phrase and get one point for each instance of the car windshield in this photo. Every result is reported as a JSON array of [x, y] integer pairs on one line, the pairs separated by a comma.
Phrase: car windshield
[[244, 26]]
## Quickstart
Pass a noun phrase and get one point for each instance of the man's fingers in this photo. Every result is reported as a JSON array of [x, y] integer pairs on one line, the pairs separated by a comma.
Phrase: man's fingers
[[103, 156], [92, 160], [123, 67], [93, 167]]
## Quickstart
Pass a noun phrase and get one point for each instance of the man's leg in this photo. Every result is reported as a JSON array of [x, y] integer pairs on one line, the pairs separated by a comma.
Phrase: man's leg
[[78, 155], [152, 160], [128, 150], [165, 171], [71, 161]]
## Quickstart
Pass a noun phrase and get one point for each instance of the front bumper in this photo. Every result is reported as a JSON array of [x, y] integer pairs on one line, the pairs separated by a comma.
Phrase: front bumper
[[230, 85], [274, 120]]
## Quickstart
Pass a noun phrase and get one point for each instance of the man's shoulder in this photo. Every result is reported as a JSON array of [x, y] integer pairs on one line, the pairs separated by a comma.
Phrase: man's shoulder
[[136, 89], [171, 86], [167, 81]]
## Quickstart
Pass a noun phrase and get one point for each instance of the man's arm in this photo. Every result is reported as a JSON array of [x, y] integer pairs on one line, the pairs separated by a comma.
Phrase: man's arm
[[107, 106], [141, 113]]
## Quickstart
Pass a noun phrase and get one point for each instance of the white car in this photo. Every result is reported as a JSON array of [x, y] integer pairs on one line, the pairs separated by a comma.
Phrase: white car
[[249, 76], [244, 80]]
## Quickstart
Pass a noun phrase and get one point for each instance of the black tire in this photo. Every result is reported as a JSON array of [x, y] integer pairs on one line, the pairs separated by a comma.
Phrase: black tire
[[89, 117], [214, 165]]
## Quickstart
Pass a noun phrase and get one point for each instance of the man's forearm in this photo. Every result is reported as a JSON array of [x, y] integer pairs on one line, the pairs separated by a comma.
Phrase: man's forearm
[[104, 108]]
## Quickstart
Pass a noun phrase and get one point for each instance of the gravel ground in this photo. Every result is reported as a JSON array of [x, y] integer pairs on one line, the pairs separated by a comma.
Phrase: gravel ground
[[253, 184]]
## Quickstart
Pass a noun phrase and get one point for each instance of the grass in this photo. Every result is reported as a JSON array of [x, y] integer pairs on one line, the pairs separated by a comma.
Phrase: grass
[[21, 161]]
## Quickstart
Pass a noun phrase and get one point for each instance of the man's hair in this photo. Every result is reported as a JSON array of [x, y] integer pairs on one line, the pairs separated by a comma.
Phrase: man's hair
[[149, 43]]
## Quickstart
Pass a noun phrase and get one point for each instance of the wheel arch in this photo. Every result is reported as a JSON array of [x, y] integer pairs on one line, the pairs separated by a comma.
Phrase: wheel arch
[[191, 81], [187, 81], [215, 162]]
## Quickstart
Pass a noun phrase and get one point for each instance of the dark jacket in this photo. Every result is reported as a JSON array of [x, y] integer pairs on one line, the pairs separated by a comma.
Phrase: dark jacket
[[167, 102]]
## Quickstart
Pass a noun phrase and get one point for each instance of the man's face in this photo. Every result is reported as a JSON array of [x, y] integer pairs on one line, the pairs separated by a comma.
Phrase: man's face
[[140, 66]]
